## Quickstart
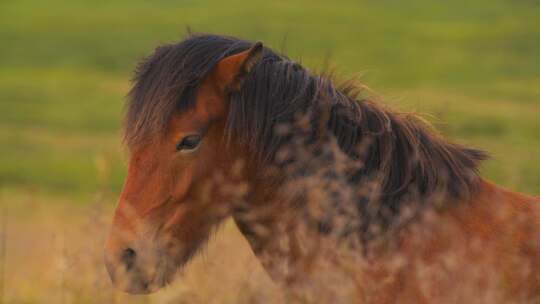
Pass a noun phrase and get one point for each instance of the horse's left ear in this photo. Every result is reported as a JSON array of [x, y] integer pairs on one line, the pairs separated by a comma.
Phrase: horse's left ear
[[231, 71]]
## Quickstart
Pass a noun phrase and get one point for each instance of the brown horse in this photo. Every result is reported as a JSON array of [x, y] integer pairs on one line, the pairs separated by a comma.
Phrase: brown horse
[[319, 179]]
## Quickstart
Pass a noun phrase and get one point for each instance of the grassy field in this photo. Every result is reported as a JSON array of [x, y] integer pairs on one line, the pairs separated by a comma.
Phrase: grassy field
[[472, 67]]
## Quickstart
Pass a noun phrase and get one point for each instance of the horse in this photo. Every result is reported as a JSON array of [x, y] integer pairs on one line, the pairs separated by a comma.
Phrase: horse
[[309, 170]]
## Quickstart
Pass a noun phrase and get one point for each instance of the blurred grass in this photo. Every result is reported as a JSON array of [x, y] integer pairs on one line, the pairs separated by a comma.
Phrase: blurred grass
[[65, 67], [472, 67], [55, 255]]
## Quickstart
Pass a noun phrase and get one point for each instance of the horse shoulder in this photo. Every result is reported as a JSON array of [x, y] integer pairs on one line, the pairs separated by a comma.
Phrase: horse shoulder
[[490, 242]]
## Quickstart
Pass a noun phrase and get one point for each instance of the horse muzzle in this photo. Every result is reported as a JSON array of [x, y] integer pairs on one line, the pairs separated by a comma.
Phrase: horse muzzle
[[138, 269]]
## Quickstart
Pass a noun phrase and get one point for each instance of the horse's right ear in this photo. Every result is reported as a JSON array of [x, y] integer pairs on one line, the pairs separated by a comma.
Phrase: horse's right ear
[[231, 71]]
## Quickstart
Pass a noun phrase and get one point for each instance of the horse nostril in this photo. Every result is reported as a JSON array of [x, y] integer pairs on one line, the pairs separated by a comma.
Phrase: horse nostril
[[128, 258]]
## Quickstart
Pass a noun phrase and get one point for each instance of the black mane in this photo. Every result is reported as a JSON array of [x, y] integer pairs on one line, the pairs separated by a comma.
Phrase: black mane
[[400, 150]]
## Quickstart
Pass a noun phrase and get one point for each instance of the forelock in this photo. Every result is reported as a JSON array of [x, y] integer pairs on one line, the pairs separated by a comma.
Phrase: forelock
[[166, 81]]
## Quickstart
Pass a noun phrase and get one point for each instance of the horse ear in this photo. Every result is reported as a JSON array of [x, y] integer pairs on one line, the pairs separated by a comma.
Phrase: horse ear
[[231, 71]]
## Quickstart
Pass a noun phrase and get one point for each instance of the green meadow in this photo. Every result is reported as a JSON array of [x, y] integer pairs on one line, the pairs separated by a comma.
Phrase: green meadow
[[472, 68]]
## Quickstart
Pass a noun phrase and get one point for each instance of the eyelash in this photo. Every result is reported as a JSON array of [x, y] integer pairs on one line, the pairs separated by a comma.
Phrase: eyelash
[[189, 143]]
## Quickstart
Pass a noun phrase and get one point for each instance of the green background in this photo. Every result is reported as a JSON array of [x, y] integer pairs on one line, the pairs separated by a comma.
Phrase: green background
[[471, 67]]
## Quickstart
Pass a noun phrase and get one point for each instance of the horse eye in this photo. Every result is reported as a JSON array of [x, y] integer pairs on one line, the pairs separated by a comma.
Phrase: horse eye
[[189, 143]]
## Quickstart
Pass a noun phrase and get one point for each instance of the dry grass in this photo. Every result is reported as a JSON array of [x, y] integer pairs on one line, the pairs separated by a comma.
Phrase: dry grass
[[54, 255]]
